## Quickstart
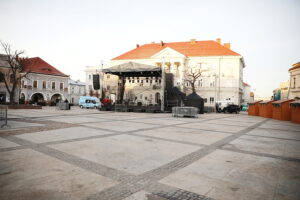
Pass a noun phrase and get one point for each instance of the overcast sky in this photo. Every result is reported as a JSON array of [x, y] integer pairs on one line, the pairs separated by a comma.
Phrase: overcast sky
[[73, 34]]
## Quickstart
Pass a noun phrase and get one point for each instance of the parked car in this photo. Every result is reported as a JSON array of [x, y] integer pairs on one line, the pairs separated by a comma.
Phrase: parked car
[[89, 102], [227, 106]]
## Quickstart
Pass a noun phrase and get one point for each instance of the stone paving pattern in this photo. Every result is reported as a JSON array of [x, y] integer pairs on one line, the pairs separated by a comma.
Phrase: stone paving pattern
[[90, 154]]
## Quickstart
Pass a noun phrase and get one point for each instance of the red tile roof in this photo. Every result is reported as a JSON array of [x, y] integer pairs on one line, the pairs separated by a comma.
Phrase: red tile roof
[[199, 48], [38, 65], [295, 66]]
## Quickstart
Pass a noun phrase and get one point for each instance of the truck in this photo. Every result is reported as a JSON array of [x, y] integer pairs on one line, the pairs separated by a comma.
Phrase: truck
[[89, 102]]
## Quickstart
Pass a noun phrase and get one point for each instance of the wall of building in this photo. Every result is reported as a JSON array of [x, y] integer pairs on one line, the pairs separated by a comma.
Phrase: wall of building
[[75, 91], [27, 87], [295, 84], [222, 80]]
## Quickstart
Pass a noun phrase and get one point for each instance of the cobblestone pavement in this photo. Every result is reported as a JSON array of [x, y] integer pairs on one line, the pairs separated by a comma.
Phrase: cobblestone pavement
[[89, 154]]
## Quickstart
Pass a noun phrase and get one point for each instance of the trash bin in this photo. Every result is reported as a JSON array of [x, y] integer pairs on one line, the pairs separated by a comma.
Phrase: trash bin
[[295, 111], [265, 108], [281, 109], [253, 108]]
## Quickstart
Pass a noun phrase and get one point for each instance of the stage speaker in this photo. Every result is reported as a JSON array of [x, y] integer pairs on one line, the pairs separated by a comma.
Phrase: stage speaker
[[96, 82]]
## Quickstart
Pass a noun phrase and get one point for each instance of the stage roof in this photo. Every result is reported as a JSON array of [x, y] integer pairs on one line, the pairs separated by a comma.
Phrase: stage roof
[[131, 69]]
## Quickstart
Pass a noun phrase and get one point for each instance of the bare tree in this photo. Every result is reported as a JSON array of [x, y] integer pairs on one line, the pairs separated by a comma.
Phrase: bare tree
[[12, 76], [192, 74]]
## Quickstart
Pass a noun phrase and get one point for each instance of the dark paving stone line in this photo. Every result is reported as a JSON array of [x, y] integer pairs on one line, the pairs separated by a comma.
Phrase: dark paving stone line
[[13, 148], [117, 192], [80, 139], [169, 140], [263, 136], [280, 129], [202, 129], [172, 193], [229, 124], [261, 154]]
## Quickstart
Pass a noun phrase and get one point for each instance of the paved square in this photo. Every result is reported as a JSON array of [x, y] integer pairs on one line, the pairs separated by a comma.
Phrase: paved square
[[127, 153], [278, 147], [62, 134], [122, 126], [27, 174], [52, 154], [214, 127], [185, 135], [6, 143], [226, 175]]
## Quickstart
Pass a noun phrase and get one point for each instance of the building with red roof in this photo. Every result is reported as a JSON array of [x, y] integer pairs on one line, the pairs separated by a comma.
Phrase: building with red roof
[[44, 84], [221, 67]]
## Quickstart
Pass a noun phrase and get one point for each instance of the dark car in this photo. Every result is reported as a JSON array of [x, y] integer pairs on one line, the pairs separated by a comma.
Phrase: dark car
[[232, 109]]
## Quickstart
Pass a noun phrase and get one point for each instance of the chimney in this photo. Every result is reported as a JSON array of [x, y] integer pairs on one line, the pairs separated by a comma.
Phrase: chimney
[[161, 43], [218, 40], [193, 41], [227, 45], [137, 45]]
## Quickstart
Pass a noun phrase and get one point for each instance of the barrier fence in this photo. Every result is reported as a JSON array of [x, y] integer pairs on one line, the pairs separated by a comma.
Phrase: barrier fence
[[3, 115]]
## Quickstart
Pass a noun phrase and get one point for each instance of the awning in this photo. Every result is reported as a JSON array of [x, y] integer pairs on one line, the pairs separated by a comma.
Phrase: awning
[[132, 69]]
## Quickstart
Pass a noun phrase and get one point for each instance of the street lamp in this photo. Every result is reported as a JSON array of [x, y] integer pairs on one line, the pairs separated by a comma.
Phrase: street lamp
[[163, 84]]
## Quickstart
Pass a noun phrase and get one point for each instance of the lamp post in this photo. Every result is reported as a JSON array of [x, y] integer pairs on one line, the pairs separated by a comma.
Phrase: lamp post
[[163, 84]]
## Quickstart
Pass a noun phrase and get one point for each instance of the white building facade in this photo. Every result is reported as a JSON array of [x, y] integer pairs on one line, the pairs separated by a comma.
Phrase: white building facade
[[76, 89], [294, 89], [222, 76]]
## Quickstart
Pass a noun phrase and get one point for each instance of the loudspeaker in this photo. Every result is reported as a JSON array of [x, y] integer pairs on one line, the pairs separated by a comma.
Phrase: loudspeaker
[[96, 82]]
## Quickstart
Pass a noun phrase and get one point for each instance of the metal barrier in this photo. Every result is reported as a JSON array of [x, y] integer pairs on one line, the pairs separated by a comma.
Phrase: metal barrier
[[3, 115], [185, 112], [63, 106]]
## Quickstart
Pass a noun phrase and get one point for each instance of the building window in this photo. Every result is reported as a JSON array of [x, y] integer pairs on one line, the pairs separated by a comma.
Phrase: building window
[[23, 83], [205, 100], [44, 84], [53, 85], [141, 96], [200, 83], [34, 84], [61, 86], [212, 84], [211, 99], [294, 82], [108, 76]]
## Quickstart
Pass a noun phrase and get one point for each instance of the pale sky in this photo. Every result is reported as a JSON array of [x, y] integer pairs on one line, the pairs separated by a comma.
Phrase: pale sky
[[73, 34]]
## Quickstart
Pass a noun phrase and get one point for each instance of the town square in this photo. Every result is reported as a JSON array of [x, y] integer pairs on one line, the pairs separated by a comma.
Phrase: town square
[[121, 101]]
